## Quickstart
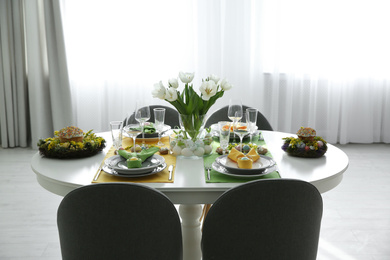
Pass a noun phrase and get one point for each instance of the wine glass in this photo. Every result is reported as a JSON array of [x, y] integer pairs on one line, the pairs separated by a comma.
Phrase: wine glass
[[240, 129], [235, 110], [159, 117], [133, 130], [142, 114], [251, 119]]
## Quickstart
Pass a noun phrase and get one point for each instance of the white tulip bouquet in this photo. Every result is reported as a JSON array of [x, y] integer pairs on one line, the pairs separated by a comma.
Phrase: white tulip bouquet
[[192, 107]]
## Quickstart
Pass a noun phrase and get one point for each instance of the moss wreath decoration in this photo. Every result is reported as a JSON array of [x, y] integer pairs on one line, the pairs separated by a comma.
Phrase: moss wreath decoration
[[305, 148], [52, 147]]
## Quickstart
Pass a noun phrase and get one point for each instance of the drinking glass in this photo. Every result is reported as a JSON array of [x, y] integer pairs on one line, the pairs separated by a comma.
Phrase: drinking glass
[[235, 110], [116, 132], [251, 119], [240, 129], [159, 117], [224, 134], [142, 114], [133, 130]]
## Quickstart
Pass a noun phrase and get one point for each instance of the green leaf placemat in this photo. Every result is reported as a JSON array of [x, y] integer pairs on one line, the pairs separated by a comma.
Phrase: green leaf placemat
[[217, 177]]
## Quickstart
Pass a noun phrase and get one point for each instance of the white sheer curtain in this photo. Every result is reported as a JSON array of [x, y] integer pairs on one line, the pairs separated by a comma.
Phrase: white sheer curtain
[[34, 85], [302, 63]]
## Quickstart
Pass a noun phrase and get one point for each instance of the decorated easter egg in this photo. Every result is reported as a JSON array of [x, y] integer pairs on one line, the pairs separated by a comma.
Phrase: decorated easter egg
[[208, 149], [246, 148]]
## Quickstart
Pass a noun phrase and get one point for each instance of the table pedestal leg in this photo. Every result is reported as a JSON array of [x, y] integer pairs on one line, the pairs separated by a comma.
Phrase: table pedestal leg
[[190, 225]]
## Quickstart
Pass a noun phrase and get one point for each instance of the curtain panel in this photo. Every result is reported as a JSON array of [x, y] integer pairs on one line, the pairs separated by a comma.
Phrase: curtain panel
[[34, 85], [286, 58]]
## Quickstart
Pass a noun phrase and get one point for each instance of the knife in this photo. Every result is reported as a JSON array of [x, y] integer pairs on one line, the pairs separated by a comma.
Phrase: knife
[[170, 169], [99, 171]]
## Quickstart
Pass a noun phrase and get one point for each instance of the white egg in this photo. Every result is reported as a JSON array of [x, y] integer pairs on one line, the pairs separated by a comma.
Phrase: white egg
[[176, 150], [187, 152], [199, 152], [207, 149]]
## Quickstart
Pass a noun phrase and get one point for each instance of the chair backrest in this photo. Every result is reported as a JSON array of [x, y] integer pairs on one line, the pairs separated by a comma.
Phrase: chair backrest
[[118, 221], [264, 219], [171, 116], [222, 115]]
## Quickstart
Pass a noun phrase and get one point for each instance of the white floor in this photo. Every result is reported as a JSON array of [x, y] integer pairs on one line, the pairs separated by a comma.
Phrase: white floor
[[356, 221]]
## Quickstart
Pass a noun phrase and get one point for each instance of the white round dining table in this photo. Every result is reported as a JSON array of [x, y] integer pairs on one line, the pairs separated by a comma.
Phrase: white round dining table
[[190, 188]]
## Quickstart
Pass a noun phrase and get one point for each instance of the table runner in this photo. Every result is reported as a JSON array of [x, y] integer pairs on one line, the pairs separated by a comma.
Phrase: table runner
[[217, 177], [161, 177]]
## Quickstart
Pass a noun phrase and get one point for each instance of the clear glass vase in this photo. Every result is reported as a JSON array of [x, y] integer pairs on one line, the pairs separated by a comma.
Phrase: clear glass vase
[[192, 124]]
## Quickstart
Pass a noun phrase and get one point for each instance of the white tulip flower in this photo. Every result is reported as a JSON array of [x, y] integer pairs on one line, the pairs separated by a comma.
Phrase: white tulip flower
[[208, 89], [186, 77], [159, 91], [225, 85], [214, 78], [173, 83], [171, 94]]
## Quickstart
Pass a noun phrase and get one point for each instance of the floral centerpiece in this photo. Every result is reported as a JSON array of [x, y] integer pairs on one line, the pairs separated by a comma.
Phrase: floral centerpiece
[[191, 106]]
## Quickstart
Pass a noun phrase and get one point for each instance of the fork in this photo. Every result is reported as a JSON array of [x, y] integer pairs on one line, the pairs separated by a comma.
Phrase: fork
[[208, 168]]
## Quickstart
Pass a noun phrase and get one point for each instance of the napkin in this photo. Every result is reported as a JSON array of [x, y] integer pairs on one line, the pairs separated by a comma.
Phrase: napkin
[[143, 155], [149, 129]]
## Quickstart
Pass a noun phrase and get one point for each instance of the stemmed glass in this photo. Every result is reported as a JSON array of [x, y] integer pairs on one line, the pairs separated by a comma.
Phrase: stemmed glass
[[235, 110], [240, 129], [142, 114], [133, 130], [251, 119], [159, 117]]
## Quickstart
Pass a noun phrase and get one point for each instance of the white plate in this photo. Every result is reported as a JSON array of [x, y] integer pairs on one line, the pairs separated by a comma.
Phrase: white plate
[[257, 167], [158, 169], [219, 168], [147, 136], [119, 164]]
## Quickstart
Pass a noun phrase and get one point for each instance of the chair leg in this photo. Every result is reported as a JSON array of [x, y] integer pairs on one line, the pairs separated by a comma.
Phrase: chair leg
[[205, 210]]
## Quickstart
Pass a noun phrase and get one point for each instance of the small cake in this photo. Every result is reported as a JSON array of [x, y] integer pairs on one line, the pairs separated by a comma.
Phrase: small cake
[[134, 162], [71, 133], [262, 150], [306, 134], [234, 153], [244, 162], [253, 154], [164, 150]]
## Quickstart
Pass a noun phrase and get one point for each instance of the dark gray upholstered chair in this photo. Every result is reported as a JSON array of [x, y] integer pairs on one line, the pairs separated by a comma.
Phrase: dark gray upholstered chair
[[171, 116], [265, 219], [222, 115], [118, 221]]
